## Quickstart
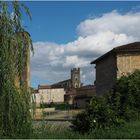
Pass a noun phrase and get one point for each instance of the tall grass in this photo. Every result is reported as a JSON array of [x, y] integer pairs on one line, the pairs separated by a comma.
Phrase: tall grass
[[130, 130]]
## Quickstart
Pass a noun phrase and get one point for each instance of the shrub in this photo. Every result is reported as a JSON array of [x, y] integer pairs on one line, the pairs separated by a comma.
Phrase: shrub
[[128, 88], [98, 114], [113, 108]]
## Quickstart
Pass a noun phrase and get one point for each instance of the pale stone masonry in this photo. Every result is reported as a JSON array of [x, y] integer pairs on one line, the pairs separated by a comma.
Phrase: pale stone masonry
[[47, 94], [127, 63], [115, 63]]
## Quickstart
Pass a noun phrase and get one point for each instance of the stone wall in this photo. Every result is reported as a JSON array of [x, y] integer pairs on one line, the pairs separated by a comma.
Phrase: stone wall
[[83, 96], [127, 63], [55, 95], [26, 71], [105, 74], [86, 91]]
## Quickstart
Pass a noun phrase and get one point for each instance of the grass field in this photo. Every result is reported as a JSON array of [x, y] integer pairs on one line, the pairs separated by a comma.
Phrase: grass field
[[61, 130]]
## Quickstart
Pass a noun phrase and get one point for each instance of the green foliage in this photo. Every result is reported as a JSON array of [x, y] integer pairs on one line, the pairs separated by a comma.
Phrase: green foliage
[[98, 114], [129, 130], [15, 42], [113, 108], [129, 95]]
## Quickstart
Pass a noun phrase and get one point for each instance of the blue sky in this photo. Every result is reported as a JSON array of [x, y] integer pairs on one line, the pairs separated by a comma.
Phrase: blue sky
[[57, 21], [61, 32]]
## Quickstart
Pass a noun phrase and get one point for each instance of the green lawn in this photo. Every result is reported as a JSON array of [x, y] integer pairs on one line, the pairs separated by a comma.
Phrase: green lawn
[[62, 131]]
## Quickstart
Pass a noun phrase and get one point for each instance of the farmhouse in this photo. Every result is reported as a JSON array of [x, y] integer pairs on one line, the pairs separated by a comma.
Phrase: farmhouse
[[119, 61]]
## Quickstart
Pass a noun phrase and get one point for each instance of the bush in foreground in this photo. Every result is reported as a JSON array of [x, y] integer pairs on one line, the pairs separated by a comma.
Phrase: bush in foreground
[[98, 114], [114, 108]]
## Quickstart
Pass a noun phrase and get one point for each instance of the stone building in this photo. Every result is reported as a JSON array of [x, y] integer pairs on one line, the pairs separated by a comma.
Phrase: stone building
[[75, 78], [73, 82], [26, 71], [66, 84], [115, 63], [79, 97], [47, 94], [84, 95]]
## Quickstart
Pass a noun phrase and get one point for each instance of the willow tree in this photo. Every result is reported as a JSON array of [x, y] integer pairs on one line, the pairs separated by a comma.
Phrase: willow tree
[[15, 42]]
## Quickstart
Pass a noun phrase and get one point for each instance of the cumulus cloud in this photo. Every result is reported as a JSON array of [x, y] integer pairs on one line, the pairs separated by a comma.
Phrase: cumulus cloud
[[96, 36], [113, 21]]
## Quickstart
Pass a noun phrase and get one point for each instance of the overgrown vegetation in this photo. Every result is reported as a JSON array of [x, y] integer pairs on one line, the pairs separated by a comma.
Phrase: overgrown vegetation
[[15, 43], [112, 109], [129, 130]]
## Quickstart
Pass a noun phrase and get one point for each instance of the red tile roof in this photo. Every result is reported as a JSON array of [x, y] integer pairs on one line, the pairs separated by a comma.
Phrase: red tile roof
[[35, 92], [44, 87]]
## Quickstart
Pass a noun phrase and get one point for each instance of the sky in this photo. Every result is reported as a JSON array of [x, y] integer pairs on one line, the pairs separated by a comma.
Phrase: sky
[[72, 34]]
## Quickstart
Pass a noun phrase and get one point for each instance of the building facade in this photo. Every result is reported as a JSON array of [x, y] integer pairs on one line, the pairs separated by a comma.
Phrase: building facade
[[47, 94], [79, 97], [84, 95], [119, 61]]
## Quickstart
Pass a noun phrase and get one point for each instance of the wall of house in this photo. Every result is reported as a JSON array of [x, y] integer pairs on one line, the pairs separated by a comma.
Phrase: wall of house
[[105, 74], [81, 103], [55, 95], [83, 96], [127, 63], [69, 96], [86, 91]]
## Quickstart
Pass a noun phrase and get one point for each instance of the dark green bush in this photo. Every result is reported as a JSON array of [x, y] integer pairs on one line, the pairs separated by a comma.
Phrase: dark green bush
[[128, 88], [113, 108], [98, 114]]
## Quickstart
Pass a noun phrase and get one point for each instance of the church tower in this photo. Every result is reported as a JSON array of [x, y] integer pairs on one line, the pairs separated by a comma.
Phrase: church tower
[[75, 78]]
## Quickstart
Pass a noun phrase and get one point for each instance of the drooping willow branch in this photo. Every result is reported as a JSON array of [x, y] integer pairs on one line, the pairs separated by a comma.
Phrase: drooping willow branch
[[15, 43]]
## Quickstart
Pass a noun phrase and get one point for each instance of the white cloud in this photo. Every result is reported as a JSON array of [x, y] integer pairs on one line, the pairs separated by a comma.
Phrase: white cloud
[[95, 37], [75, 61], [114, 22]]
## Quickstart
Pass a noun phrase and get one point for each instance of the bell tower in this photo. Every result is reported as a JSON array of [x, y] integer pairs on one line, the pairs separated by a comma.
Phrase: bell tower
[[75, 78]]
